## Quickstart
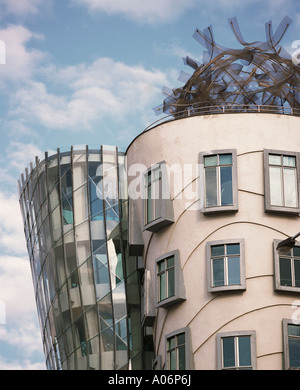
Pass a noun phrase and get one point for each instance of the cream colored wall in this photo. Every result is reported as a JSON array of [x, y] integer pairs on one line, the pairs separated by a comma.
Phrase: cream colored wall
[[259, 307]]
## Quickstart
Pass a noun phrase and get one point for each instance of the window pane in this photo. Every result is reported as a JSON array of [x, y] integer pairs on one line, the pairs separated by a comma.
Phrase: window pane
[[211, 187], [285, 272], [294, 330], [296, 251], [171, 282], [218, 272], [161, 266], [171, 342], [181, 339], [297, 272], [290, 187], [275, 186], [294, 352], [233, 270], [162, 286], [244, 351], [274, 159], [226, 186], [181, 358], [172, 359], [170, 261], [217, 250], [211, 161], [228, 352], [233, 249], [149, 206], [289, 161], [225, 159]]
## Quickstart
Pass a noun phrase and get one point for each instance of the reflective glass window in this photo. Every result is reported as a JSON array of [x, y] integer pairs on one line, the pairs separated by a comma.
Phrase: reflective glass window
[[218, 180], [283, 180], [176, 352]]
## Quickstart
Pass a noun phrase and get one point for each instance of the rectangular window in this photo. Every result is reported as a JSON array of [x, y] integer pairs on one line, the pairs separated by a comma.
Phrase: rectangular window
[[291, 334], [281, 181], [236, 351], [166, 278], [287, 269], [225, 265], [158, 207], [219, 180], [176, 352], [153, 186], [169, 280]]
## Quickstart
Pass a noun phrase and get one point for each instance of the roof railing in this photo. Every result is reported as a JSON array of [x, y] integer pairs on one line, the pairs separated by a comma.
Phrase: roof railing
[[225, 109]]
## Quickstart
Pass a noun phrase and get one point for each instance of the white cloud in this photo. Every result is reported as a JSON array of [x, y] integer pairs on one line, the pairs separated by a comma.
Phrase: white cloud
[[142, 11], [92, 91], [20, 62], [21, 7], [16, 291], [7, 364], [11, 225]]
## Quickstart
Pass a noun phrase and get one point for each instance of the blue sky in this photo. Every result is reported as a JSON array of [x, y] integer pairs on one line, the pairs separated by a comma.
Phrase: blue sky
[[90, 72]]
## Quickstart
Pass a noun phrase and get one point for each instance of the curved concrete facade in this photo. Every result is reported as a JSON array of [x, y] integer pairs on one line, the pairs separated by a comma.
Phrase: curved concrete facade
[[259, 307]]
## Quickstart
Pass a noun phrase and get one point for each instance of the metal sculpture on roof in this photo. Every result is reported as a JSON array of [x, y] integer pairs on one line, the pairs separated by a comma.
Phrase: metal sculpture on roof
[[261, 74]]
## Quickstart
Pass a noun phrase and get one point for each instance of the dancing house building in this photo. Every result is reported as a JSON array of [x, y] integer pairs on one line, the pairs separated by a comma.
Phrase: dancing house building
[[170, 255]]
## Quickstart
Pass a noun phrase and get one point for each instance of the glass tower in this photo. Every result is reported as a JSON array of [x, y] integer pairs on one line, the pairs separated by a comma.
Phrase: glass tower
[[74, 206]]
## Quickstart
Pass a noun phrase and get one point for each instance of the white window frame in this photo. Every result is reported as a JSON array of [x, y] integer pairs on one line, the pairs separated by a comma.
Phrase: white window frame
[[236, 336], [277, 277], [218, 208], [282, 208], [226, 287], [286, 352]]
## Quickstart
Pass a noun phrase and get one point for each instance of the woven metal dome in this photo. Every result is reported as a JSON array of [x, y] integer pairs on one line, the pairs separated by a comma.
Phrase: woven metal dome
[[259, 75]]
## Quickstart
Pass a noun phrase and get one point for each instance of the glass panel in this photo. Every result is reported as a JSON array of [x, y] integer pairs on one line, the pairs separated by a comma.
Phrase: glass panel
[[96, 192], [211, 187], [171, 342], [181, 358], [171, 282], [285, 271], [274, 159], [294, 352], [296, 251], [294, 330], [217, 250], [244, 351], [225, 159], [149, 205], [161, 266], [66, 194], [172, 359], [210, 161], [297, 272], [233, 270], [290, 187], [226, 186], [233, 249], [275, 186], [181, 339], [162, 286], [170, 261], [228, 352], [289, 161], [218, 272]]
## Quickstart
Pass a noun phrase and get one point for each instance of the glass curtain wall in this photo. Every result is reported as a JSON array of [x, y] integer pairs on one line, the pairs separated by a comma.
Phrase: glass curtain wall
[[74, 206]]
